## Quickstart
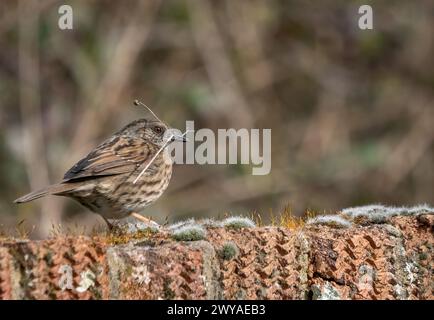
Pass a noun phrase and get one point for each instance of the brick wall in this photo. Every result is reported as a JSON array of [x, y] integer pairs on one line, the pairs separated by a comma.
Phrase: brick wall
[[388, 260]]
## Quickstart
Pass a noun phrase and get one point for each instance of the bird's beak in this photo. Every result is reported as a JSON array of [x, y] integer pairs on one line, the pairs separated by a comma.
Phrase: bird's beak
[[181, 138]]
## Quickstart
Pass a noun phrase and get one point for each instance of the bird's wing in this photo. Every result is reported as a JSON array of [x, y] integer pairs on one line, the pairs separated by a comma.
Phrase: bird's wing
[[115, 156]]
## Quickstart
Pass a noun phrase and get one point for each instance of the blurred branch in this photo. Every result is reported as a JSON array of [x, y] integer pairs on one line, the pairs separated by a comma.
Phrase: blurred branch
[[104, 100], [249, 34], [324, 133], [406, 155], [33, 137], [210, 44], [10, 12]]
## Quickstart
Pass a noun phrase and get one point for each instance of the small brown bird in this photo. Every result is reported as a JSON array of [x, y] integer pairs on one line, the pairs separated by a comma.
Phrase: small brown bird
[[122, 175]]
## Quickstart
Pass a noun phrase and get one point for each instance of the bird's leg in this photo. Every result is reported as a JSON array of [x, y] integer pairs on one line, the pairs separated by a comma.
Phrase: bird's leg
[[109, 225], [144, 219]]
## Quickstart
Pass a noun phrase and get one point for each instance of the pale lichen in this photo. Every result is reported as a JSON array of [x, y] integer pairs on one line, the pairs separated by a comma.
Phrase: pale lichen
[[191, 232], [180, 224], [238, 222], [400, 292], [333, 221], [367, 277], [209, 223], [380, 214], [327, 292]]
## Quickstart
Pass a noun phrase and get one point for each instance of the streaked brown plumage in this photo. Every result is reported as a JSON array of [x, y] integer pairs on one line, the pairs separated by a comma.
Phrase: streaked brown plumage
[[103, 180]]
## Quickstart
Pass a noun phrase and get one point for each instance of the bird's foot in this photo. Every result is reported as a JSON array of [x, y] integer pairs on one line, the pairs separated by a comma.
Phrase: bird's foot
[[114, 227], [146, 221], [110, 226]]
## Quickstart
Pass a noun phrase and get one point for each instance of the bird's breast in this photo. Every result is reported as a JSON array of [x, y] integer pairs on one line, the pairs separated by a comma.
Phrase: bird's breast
[[147, 189]]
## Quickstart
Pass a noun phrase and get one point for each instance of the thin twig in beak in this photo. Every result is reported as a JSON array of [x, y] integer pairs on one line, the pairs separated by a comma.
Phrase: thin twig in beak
[[156, 155]]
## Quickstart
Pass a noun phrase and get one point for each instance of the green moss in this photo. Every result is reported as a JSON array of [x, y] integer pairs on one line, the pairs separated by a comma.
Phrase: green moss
[[129, 270], [96, 293], [333, 221], [189, 233], [238, 223], [120, 237], [229, 251], [48, 258], [423, 256]]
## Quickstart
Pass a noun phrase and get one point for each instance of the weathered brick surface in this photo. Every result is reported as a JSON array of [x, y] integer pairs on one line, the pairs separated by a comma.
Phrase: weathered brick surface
[[169, 271], [392, 260], [385, 261], [39, 269], [271, 264]]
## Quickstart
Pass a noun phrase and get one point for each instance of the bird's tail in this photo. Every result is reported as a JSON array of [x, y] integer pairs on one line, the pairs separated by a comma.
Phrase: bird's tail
[[53, 189]]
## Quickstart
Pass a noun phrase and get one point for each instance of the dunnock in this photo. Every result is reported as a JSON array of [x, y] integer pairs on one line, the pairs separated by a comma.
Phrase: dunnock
[[110, 180]]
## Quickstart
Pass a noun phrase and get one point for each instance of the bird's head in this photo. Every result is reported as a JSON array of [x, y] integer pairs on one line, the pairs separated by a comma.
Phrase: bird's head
[[153, 131]]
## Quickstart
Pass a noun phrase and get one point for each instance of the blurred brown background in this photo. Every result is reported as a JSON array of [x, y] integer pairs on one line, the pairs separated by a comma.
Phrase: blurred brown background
[[351, 111]]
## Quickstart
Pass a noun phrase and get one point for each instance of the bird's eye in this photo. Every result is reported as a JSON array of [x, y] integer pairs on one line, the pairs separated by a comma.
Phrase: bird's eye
[[158, 129]]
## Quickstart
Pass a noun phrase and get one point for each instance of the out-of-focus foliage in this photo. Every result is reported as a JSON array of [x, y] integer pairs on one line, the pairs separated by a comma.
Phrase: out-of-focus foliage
[[351, 111]]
